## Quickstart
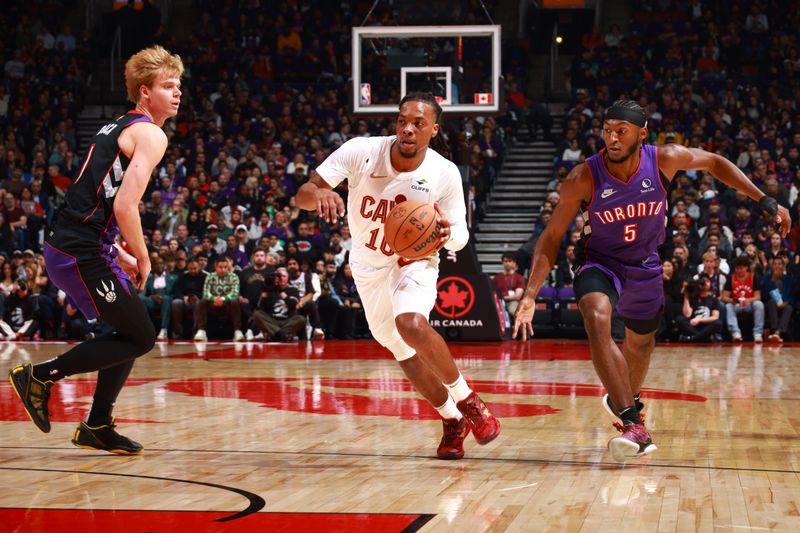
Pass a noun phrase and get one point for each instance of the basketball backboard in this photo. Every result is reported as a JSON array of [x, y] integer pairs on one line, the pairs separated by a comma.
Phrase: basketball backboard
[[460, 65]]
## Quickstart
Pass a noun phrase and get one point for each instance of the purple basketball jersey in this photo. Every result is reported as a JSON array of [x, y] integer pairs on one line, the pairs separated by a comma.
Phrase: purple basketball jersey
[[627, 220]]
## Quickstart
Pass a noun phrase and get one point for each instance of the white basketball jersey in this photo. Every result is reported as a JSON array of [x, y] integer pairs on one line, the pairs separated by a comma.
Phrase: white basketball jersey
[[375, 187]]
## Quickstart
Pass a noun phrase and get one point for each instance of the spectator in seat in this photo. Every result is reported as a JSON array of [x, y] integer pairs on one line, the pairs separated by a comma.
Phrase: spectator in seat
[[329, 302], [776, 246], [755, 256], [573, 152], [308, 289], [276, 315], [672, 283], [742, 223], [614, 36], [490, 150], [307, 246], [254, 280], [339, 252], [157, 295], [700, 317], [172, 218], [232, 251], [77, 327], [148, 217], [711, 269], [207, 253], [245, 244], [715, 238], [19, 314], [8, 282], [745, 239], [17, 222], [187, 292], [221, 299], [509, 284], [46, 296], [565, 273], [345, 287], [185, 242], [780, 293], [742, 296], [219, 245]]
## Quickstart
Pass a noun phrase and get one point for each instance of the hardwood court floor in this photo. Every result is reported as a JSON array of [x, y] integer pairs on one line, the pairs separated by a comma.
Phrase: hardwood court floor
[[330, 437]]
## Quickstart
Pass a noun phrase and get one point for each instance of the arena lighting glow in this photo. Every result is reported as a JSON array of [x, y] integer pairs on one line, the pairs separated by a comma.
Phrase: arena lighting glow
[[559, 39]]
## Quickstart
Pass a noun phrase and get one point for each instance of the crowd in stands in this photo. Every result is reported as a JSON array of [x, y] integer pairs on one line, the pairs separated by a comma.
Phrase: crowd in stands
[[723, 80], [264, 102]]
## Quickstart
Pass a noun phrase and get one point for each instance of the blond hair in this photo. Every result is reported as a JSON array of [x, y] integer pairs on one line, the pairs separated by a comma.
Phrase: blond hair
[[145, 65]]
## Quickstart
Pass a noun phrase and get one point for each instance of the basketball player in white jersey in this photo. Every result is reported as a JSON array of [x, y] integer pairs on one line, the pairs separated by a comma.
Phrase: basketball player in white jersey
[[398, 294]]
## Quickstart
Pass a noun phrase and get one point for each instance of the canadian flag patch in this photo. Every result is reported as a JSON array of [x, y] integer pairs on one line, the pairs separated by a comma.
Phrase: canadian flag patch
[[483, 98]]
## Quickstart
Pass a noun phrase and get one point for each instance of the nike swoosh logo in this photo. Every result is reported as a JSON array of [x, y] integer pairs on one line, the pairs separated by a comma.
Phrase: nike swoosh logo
[[607, 192], [373, 176]]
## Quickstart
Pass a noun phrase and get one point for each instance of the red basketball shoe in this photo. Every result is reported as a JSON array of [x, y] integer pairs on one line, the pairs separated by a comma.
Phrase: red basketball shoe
[[485, 427], [634, 442], [453, 434]]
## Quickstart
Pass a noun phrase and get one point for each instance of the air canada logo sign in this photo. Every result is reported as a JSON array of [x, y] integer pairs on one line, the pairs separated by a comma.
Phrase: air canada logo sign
[[455, 297]]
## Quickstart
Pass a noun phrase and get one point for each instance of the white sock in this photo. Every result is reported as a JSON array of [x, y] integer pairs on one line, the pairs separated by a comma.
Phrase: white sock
[[459, 389], [448, 410]]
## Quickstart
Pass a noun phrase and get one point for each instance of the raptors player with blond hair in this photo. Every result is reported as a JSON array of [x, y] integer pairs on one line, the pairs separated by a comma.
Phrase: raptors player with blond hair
[[398, 294], [84, 261]]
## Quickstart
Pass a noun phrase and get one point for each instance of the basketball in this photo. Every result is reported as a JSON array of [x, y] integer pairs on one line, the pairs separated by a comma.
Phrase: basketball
[[411, 229]]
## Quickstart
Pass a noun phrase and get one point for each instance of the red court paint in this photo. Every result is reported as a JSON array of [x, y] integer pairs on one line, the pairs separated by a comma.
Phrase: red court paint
[[558, 350], [322, 395], [356, 396], [302, 396], [63, 405], [78, 521]]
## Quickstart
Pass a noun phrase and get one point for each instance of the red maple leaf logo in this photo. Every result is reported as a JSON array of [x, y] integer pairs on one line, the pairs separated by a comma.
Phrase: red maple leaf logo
[[453, 298], [456, 297]]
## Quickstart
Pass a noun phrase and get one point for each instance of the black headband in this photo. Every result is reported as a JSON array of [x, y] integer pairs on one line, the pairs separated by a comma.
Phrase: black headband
[[623, 113]]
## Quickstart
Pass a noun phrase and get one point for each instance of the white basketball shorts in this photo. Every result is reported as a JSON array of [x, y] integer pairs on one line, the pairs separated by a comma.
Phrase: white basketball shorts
[[391, 291]]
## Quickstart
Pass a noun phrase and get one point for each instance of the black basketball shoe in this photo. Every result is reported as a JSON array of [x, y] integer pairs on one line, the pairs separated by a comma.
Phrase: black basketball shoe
[[33, 393], [105, 438]]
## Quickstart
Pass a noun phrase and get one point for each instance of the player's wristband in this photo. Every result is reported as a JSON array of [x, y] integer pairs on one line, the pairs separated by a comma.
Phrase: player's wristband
[[769, 204]]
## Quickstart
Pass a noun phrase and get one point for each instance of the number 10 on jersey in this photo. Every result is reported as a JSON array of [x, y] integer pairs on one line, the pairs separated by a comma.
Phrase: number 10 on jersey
[[373, 238]]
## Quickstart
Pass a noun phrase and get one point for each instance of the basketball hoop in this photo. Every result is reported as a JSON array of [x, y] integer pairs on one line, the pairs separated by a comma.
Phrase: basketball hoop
[[459, 65]]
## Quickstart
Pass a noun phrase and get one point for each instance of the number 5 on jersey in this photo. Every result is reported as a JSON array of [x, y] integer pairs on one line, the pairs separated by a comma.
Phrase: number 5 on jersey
[[630, 232]]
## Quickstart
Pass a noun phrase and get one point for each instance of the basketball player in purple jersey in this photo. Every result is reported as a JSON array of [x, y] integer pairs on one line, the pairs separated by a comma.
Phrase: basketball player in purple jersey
[[623, 193], [84, 261]]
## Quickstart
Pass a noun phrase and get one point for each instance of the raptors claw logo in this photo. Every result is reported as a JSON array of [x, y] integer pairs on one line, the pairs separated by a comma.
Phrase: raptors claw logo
[[109, 293]]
